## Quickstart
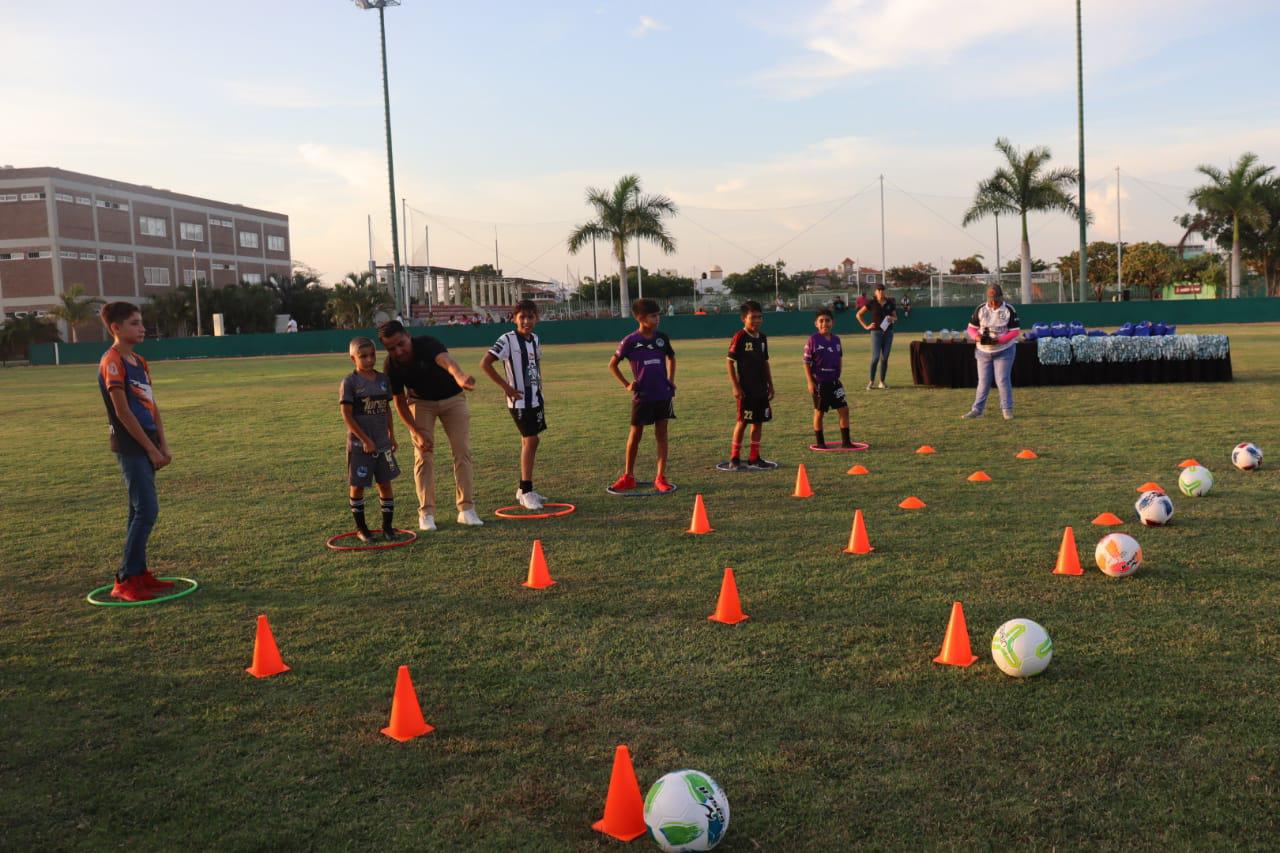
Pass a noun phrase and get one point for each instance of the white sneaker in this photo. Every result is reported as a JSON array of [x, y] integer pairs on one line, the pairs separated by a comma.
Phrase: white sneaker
[[469, 518], [542, 501], [426, 522], [881, 385], [1008, 416], [529, 500], [871, 386]]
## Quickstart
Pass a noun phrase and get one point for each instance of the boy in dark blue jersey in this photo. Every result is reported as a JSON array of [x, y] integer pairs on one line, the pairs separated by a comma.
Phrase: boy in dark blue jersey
[[365, 400], [752, 381], [653, 363], [138, 440], [822, 362]]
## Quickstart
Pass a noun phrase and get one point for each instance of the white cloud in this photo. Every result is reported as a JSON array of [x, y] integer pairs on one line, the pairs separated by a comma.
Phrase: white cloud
[[359, 168], [648, 25], [731, 185]]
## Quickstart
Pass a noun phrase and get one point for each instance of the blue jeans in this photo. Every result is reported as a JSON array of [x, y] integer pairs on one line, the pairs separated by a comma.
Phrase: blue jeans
[[881, 343], [997, 368], [144, 507]]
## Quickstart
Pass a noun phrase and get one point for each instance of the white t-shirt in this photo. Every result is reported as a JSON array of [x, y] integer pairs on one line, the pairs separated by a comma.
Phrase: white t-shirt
[[995, 321]]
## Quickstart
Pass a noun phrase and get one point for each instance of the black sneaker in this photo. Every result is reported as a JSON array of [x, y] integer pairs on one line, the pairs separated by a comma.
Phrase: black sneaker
[[390, 535], [762, 465], [735, 464], [364, 535]]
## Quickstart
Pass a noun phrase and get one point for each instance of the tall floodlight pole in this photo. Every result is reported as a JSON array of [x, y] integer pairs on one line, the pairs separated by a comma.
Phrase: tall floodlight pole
[[195, 282], [381, 6], [882, 266], [639, 272], [1084, 235], [595, 277]]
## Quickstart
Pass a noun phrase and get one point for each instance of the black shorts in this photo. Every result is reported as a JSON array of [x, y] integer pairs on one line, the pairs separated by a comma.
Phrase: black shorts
[[754, 409], [644, 412], [530, 421], [364, 469], [830, 395]]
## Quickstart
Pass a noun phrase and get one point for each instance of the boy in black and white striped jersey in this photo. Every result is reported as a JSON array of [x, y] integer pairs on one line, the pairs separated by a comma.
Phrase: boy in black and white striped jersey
[[521, 357]]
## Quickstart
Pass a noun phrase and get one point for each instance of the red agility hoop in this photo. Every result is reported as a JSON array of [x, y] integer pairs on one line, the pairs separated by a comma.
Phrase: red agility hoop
[[332, 543], [505, 512], [837, 448]]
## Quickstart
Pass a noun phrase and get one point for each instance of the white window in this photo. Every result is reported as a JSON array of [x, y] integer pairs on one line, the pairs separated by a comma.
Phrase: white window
[[10, 256], [33, 196], [8, 197], [225, 223], [189, 277], [155, 276], [112, 205], [191, 231], [109, 258], [85, 200], [253, 278], [248, 240], [219, 266], [125, 259], [69, 199], [275, 242], [67, 256], [88, 256], [33, 256], [150, 226]]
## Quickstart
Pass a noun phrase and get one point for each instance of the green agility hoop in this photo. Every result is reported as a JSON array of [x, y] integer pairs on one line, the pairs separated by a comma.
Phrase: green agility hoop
[[170, 597]]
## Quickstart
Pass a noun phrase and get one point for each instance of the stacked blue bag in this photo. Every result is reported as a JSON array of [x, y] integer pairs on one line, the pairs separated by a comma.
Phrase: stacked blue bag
[[1059, 329], [1145, 329]]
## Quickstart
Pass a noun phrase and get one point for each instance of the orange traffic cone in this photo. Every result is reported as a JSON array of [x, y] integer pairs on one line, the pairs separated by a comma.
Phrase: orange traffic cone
[[539, 576], [1150, 487], [623, 807], [1026, 453], [858, 542], [729, 606], [979, 477], [955, 645], [406, 714], [912, 502], [925, 449], [857, 470], [266, 656], [1068, 555], [802, 483], [1187, 463], [699, 523], [1107, 519]]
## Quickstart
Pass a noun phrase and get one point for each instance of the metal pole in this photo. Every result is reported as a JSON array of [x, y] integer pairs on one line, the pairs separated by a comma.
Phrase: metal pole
[[391, 171], [639, 272], [408, 259], [595, 277], [495, 251], [775, 282], [371, 266], [1084, 235], [195, 282], [431, 282], [882, 264], [998, 267], [1119, 242]]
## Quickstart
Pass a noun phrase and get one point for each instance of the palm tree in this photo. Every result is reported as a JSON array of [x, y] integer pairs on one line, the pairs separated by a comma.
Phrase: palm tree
[[172, 311], [623, 213], [1021, 186], [17, 335], [355, 307], [1235, 194], [74, 308]]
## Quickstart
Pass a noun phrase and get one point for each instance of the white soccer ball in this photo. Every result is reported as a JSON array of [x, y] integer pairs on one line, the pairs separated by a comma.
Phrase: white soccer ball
[[1246, 456], [1021, 648], [686, 810], [1154, 508], [1118, 555], [1195, 481]]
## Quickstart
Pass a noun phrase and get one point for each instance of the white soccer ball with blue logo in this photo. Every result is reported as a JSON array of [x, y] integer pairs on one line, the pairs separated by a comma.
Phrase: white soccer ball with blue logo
[[1021, 648], [1154, 508], [1118, 555], [1246, 456], [1195, 481], [686, 810]]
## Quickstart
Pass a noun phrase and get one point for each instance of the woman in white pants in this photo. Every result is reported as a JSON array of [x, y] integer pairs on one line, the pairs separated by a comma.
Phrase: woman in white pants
[[994, 327]]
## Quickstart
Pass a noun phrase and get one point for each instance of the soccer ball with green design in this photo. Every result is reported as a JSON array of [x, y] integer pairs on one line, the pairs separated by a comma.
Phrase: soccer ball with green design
[[686, 810]]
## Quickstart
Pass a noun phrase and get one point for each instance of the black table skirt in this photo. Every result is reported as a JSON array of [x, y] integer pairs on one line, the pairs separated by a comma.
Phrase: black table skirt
[[953, 366]]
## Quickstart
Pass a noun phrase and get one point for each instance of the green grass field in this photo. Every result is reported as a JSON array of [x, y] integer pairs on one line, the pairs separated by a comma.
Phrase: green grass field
[[1157, 724]]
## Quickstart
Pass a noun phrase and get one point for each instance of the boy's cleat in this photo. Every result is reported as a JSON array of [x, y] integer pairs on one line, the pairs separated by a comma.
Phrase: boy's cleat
[[1008, 416], [150, 581], [970, 415], [881, 385], [660, 483], [426, 521], [131, 589], [762, 463], [364, 536], [390, 535], [624, 483], [846, 445], [871, 386], [735, 464], [469, 518], [541, 500], [529, 500]]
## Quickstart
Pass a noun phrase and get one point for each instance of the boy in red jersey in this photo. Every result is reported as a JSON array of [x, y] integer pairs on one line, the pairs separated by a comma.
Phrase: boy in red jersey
[[138, 440]]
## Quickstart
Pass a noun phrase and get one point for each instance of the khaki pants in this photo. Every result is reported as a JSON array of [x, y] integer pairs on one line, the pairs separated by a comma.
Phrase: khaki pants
[[455, 417]]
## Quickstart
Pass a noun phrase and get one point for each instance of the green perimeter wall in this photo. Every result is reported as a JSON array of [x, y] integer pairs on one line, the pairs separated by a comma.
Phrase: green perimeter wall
[[684, 326]]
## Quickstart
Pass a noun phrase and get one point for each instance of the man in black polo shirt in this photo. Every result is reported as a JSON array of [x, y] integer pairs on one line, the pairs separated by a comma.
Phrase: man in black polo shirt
[[427, 383]]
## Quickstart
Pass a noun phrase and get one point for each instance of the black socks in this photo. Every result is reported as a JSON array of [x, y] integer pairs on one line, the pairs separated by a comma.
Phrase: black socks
[[357, 512], [526, 486], [818, 438], [388, 510]]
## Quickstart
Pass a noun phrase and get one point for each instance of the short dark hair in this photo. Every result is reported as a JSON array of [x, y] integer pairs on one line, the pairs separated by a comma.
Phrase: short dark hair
[[390, 329], [645, 307], [117, 312], [880, 286], [824, 312], [526, 306], [749, 306]]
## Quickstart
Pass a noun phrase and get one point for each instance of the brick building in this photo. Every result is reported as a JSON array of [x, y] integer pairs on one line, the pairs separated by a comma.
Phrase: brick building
[[124, 241]]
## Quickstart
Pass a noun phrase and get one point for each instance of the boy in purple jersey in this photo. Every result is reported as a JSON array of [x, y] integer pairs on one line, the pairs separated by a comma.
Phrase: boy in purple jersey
[[653, 363], [822, 357]]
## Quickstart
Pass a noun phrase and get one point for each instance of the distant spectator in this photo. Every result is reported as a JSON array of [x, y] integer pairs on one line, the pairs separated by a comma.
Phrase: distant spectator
[[861, 301], [906, 305], [292, 325]]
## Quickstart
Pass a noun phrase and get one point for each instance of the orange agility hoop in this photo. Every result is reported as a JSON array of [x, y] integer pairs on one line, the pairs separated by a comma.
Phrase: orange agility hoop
[[506, 512], [340, 542]]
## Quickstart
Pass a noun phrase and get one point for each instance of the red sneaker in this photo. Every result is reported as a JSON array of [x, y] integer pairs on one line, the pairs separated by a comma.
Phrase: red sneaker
[[150, 581], [661, 484], [624, 483], [131, 589]]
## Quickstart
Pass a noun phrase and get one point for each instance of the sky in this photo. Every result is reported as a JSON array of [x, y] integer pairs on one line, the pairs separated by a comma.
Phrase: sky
[[768, 123]]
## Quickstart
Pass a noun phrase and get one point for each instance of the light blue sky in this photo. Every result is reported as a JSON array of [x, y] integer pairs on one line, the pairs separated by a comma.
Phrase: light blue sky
[[504, 111]]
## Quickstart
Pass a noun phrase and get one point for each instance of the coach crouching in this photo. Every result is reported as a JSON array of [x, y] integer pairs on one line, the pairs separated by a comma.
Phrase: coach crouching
[[427, 383]]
